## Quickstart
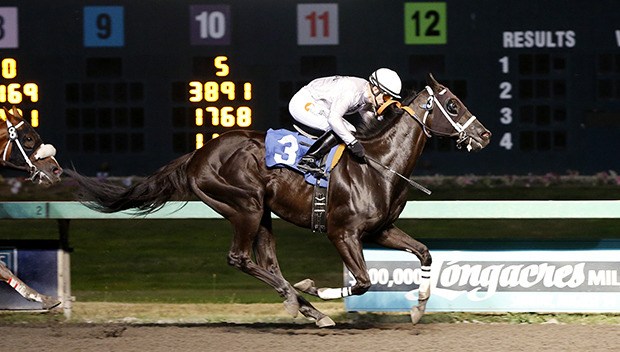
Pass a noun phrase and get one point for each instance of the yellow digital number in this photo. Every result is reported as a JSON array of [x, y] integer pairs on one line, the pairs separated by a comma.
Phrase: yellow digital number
[[244, 116], [9, 68], [11, 93], [215, 115], [219, 63], [199, 117], [200, 139], [228, 88], [227, 119], [212, 91], [32, 90], [247, 91], [34, 118], [195, 91]]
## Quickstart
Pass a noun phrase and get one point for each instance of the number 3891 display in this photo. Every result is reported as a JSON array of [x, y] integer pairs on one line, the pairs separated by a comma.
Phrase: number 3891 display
[[220, 97]]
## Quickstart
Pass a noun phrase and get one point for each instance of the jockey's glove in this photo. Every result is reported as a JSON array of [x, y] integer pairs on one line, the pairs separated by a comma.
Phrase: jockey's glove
[[357, 149]]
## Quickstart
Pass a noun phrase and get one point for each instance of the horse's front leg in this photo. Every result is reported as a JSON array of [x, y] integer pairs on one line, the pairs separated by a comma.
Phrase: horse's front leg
[[24, 290], [349, 247], [395, 238]]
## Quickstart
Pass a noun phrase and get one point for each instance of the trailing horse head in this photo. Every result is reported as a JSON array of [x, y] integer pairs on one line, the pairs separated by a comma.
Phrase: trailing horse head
[[446, 115], [22, 149]]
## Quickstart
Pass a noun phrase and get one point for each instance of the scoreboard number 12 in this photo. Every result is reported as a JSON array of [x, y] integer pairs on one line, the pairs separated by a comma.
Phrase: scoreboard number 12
[[425, 23]]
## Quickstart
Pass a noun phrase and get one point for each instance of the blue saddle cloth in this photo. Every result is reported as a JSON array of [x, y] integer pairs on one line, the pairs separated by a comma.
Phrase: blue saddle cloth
[[284, 148]]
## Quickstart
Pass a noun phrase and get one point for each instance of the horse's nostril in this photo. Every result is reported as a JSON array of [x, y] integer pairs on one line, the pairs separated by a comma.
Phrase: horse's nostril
[[486, 135], [57, 171]]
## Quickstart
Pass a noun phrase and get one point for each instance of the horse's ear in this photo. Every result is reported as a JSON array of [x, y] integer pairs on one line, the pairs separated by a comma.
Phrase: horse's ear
[[430, 80], [4, 113], [15, 112]]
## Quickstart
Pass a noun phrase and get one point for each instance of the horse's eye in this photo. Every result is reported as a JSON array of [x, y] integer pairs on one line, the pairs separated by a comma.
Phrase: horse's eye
[[452, 107]]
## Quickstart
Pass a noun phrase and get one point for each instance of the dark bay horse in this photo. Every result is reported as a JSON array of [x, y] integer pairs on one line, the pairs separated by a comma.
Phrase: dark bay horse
[[229, 175], [21, 148]]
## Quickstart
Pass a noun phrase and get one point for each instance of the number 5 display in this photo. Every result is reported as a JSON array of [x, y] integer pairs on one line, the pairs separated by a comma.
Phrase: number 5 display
[[425, 23]]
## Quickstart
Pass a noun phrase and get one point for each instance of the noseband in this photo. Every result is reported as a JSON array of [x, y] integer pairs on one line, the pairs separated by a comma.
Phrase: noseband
[[431, 102], [460, 129]]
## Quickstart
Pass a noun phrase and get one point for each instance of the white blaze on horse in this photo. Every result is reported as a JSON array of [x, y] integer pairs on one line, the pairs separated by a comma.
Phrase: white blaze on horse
[[21, 148]]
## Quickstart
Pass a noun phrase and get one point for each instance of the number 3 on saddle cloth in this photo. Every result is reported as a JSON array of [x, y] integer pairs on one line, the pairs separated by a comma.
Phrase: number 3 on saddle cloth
[[285, 148]]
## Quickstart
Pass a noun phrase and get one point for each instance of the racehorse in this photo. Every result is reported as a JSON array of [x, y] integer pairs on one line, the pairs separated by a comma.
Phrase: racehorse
[[22, 149], [229, 175]]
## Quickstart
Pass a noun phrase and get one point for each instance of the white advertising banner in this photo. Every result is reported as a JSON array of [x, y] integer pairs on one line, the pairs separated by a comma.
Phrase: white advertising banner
[[494, 281]]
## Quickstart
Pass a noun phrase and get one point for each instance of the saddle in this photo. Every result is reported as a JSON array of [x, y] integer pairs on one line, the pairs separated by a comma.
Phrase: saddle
[[284, 148]]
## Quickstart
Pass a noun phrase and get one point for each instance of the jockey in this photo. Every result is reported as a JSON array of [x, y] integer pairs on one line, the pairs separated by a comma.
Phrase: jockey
[[323, 103]]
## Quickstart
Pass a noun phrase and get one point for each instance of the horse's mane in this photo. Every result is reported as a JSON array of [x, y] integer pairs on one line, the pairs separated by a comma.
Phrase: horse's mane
[[370, 128]]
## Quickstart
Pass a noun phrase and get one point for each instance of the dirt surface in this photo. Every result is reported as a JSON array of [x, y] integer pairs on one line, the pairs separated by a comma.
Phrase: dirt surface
[[95, 327], [260, 337]]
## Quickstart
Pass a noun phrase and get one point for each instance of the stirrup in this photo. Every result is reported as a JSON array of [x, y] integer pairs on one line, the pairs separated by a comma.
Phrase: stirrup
[[310, 165]]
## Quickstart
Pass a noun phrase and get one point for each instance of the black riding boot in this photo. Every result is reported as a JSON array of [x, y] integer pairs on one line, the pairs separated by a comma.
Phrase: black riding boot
[[309, 162]]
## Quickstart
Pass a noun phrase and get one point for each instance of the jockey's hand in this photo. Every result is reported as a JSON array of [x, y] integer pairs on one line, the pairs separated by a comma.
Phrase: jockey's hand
[[357, 149]]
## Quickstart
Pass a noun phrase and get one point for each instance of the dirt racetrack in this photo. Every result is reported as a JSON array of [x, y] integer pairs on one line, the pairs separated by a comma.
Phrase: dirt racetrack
[[96, 327], [295, 337]]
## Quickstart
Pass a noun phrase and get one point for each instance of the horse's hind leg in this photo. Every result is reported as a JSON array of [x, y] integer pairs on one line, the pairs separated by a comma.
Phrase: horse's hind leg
[[265, 253], [248, 238], [395, 238]]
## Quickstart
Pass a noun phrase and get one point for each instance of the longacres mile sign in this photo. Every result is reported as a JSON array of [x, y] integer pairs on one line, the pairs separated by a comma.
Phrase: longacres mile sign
[[584, 280]]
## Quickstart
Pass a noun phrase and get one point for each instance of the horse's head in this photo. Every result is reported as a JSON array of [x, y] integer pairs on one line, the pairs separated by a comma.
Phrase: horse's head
[[445, 115], [22, 149]]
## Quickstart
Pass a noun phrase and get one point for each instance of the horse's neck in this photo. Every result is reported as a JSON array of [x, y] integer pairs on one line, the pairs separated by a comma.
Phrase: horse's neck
[[406, 141]]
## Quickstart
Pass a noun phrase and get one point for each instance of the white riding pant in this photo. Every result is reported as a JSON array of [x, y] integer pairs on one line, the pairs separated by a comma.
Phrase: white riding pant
[[312, 113]]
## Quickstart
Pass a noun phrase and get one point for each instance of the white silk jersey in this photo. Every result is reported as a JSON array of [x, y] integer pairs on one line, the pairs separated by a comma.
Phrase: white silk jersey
[[338, 96]]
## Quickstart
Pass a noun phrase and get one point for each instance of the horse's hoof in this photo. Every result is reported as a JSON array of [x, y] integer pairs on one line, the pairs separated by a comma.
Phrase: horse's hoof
[[325, 322], [304, 285], [292, 306], [418, 311], [50, 302]]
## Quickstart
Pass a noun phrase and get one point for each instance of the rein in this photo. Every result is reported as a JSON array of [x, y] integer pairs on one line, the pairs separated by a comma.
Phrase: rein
[[428, 131], [410, 181], [428, 107]]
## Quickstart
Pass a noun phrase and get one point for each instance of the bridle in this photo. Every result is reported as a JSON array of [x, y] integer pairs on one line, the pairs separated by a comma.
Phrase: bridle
[[431, 102], [42, 151]]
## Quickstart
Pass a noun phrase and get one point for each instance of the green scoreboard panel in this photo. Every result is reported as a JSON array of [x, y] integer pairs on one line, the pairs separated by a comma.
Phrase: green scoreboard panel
[[125, 86]]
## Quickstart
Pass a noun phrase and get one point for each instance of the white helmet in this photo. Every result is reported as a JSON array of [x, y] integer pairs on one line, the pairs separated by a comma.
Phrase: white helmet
[[387, 81]]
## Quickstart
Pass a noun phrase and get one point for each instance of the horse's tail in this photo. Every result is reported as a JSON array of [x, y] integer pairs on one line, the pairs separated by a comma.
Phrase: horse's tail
[[145, 196]]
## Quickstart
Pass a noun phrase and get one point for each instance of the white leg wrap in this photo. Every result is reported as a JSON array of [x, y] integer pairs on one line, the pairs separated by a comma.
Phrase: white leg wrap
[[23, 290], [334, 293], [424, 292]]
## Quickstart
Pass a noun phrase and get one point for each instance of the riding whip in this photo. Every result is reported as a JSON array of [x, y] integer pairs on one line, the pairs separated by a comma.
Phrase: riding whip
[[410, 181]]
